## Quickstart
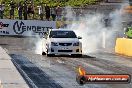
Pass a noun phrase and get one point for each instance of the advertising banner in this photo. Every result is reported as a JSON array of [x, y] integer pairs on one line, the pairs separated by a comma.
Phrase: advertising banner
[[25, 27]]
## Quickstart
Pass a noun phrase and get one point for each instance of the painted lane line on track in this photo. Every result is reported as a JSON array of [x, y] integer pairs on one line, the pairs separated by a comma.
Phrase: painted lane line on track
[[94, 67], [89, 65], [109, 71], [120, 59]]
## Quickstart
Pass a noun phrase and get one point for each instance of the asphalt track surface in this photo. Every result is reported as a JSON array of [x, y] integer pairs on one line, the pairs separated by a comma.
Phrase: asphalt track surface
[[61, 71]]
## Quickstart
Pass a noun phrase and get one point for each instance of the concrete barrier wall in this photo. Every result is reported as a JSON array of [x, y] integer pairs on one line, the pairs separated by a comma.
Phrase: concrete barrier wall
[[9, 75], [124, 46]]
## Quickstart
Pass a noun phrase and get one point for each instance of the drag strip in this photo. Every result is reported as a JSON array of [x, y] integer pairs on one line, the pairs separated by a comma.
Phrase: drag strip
[[35, 77], [62, 69], [63, 74]]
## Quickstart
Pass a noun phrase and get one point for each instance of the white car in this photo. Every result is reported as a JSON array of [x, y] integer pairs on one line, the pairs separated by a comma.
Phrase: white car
[[61, 42]]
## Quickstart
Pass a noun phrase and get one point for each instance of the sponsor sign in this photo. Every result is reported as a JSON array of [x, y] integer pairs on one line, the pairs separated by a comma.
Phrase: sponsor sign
[[2, 26], [25, 27]]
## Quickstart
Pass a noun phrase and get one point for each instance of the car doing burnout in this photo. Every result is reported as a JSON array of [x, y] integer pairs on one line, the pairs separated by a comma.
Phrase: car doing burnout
[[61, 42]]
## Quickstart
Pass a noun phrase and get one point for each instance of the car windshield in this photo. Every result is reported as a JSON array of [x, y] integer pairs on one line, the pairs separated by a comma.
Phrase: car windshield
[[62, 34]]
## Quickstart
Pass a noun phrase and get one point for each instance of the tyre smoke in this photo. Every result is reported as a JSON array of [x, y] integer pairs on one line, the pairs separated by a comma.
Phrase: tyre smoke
[[98, 31]]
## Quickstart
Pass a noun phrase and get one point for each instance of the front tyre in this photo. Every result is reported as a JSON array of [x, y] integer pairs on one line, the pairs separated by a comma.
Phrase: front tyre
[[49, 55], [76, 55], [43, 53]]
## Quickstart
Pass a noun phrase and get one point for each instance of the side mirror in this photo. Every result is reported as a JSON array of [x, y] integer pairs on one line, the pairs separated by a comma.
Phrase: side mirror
[[79, 37]]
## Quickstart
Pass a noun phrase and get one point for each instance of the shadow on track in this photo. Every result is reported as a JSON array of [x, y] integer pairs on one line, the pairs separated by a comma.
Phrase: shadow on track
[[69, 56]]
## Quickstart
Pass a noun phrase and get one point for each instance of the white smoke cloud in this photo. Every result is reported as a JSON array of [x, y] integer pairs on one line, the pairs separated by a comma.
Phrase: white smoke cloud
[[92, 29], [38, 49], [94, 33], [34, 43], [68, 13]]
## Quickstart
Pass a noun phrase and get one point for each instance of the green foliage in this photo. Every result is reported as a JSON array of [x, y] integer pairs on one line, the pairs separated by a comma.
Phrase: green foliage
[[73, 3], [57, 2]]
